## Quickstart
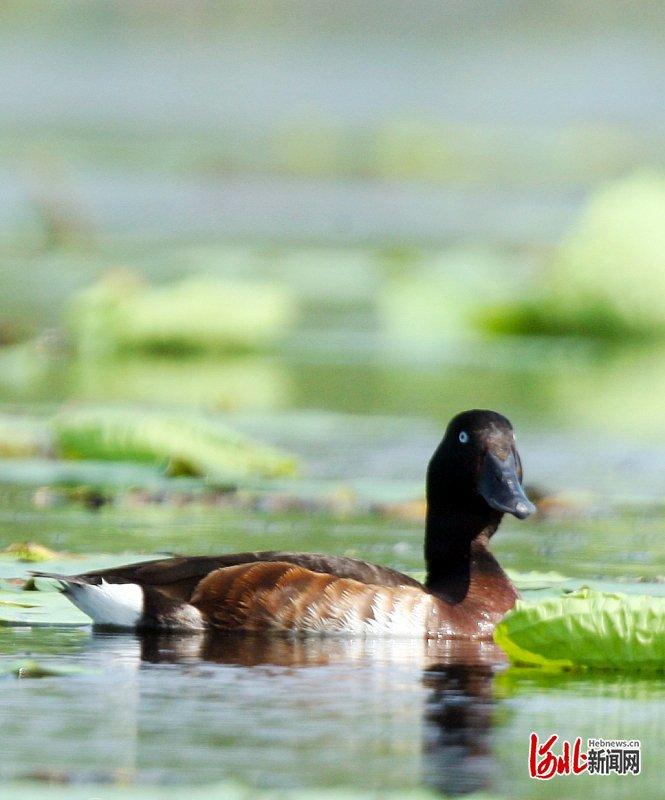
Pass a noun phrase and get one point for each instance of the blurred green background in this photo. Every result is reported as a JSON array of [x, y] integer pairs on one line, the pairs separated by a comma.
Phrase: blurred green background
[[369, 208]]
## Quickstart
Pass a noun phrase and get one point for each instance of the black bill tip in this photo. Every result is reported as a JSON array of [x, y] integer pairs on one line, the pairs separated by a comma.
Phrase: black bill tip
[[524, 509], [500, 486]]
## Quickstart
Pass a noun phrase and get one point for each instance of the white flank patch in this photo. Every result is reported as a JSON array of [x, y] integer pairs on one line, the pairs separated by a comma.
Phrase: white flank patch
[[116, 604], [402, 618], [393, 618]]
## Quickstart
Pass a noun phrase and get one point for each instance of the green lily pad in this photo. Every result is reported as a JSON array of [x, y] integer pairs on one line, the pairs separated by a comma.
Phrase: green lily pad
[[536, 580], [30, 552], [33, 669], [38, 609], [587, 629], [194, 315], [189, 443]]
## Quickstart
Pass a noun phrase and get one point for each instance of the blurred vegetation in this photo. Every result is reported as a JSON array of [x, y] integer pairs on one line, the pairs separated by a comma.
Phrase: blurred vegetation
[[191, 316], [182, 443], [190, 444], [439, 296], [415, 149], [564, 335], [22, 436], [608, 278]]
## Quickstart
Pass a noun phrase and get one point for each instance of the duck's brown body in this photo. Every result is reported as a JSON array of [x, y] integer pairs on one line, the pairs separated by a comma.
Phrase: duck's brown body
[[285, 597], [466, 592]]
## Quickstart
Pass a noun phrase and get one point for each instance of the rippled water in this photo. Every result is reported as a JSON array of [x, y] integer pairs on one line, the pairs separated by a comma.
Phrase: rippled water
[[280, 713]]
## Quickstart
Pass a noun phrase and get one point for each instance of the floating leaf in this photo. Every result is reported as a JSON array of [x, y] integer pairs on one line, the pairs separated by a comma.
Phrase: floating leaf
[[13, 604], [39, 609], [532, 581], [587, 629], [33, 669], [70, 564], [197, 314], [190, 443], [608, 279], [31, 552], [23, 436]]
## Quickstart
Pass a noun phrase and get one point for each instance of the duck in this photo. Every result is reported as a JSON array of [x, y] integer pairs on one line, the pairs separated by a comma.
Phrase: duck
[[473, 478]]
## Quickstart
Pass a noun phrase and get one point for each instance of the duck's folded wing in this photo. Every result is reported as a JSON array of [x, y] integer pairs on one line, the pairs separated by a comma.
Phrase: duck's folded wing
[[276, 595], [178, 577]]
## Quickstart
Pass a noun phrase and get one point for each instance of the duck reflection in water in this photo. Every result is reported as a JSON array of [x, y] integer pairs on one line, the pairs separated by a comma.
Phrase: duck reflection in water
[[458, 708], [457, 755]]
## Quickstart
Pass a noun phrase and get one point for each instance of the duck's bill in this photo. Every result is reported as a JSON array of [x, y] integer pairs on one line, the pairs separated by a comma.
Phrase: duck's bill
[[500, 486]]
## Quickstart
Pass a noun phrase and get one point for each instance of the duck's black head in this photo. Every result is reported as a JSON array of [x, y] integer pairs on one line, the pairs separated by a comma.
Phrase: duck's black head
[[477, 470]]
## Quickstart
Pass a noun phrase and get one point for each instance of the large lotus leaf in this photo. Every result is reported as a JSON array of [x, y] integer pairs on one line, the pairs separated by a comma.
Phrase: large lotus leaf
[[587, 629]]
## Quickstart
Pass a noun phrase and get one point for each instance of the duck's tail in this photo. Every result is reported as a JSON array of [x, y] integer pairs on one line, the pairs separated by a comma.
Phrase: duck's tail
[[62, 580], [116, 605]]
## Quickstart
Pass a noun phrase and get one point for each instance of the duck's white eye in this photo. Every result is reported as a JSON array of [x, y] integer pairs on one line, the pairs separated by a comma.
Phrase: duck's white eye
[[463, 437]]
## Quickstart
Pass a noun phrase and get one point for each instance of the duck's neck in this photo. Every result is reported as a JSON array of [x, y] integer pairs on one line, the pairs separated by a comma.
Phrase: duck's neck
[[455, 544]]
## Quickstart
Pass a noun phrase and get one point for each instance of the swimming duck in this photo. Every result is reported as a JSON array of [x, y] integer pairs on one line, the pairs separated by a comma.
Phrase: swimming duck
[[473, 479]]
